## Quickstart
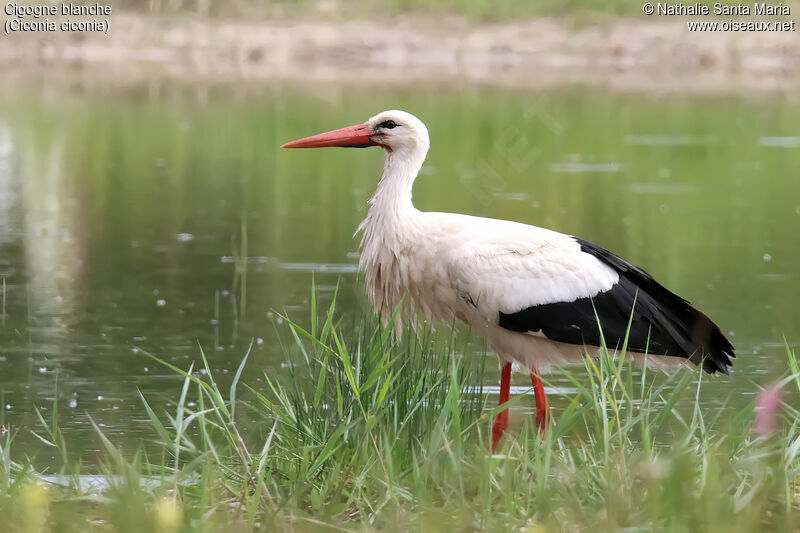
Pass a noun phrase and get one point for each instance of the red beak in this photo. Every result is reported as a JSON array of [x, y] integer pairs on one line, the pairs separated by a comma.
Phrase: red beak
[[352, 137]]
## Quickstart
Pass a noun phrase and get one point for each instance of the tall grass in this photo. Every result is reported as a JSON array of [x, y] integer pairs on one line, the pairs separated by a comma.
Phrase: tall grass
[[366, 432]]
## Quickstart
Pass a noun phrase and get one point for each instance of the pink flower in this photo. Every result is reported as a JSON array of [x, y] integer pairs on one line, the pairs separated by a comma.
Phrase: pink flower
[[768, 405]]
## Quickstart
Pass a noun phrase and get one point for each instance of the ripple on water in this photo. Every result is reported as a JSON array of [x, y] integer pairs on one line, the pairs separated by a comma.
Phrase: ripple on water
[[585, 168], [653, 188], [668, 140], [522, 389], [772, 277], [334, 268], [254, 260], [780, 142], [96, 483], [512, 196]]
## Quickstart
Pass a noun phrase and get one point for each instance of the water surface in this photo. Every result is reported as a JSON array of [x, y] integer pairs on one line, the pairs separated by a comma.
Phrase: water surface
[[169, 220]]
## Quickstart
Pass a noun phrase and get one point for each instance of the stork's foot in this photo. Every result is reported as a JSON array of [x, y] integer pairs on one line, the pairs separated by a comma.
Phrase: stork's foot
[[501, 420], [542, 409]]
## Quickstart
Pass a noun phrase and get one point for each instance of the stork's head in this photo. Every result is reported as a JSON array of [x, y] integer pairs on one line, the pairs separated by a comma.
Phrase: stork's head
[[395, 131]]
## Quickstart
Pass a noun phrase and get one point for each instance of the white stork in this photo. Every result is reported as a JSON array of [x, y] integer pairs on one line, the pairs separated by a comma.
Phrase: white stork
[[531, 291]]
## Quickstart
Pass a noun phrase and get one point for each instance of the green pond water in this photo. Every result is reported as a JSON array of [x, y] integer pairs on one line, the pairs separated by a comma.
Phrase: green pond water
[[167, 218]]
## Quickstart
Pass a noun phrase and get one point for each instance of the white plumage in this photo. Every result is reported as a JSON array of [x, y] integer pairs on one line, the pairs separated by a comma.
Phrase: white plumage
[[435, 262], [536, 294], [471, 268]]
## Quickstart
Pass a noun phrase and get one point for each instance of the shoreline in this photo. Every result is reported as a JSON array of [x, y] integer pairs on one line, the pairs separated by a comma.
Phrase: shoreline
[[633, 55]]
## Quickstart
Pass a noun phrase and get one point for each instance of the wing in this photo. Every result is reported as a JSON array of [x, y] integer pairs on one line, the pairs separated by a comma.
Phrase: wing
[[533, 280], [672, 321], [507, 267]]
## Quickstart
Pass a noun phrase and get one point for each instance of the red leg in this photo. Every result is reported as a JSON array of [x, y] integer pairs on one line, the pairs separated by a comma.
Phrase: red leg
[[542, 409], [501, 420]]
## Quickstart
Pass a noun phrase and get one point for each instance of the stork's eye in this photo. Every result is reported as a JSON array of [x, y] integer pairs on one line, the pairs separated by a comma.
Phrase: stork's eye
[[388, 124]]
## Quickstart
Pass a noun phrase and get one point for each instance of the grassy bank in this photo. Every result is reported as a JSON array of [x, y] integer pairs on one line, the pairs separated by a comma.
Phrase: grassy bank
[[529, 45], [367, 433]]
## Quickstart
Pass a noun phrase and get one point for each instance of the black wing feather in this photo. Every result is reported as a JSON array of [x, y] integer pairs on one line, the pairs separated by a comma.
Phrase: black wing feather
[[663, 323]]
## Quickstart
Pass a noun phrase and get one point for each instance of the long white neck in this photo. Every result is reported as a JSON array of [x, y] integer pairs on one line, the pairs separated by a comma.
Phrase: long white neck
[[391, 205], [390, 230]]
